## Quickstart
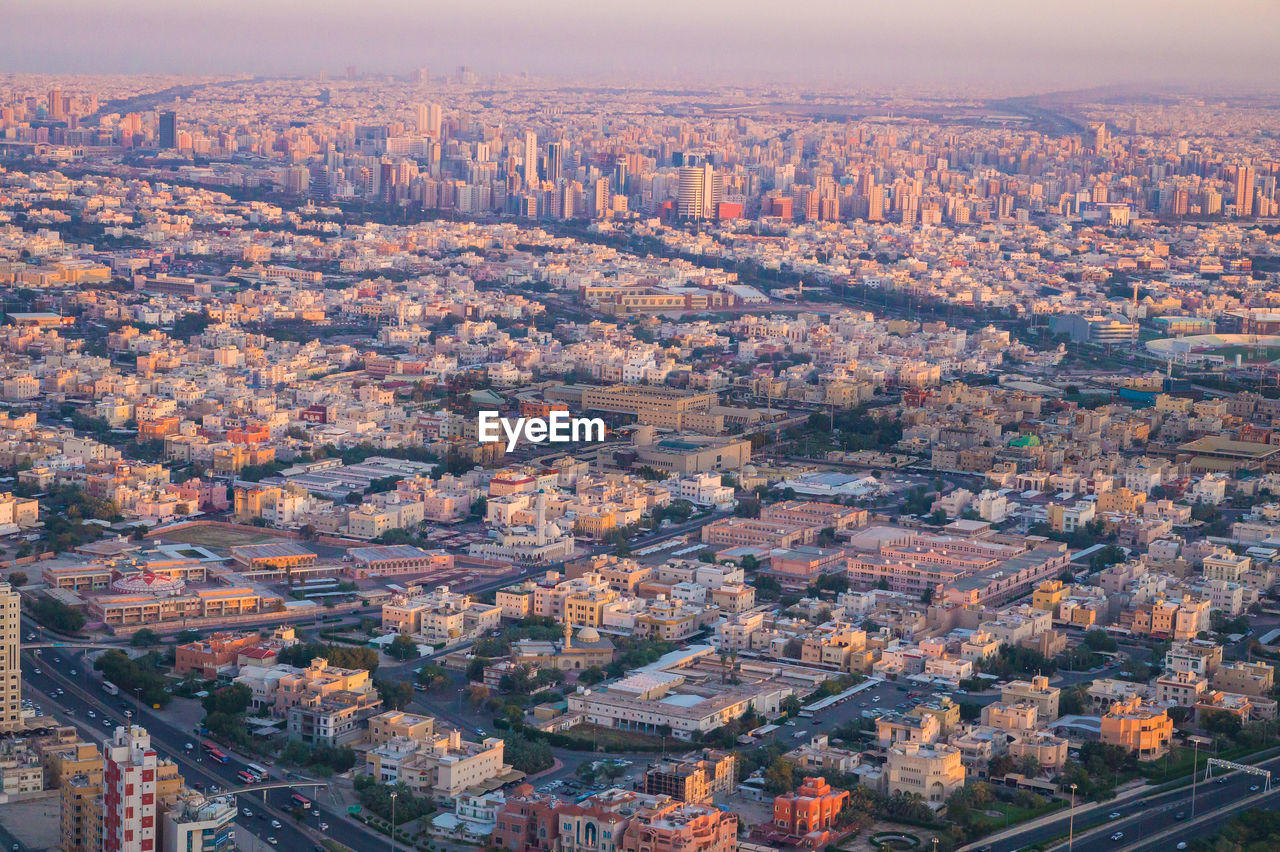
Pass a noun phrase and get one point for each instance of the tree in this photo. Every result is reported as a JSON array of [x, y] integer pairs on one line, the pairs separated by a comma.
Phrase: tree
[[230, 700], [186, 636], [779, 777], [476, 694], [57, 615], [145, 638], [17, 579], [396, 695], [790, 705], [1220, 722], [793, 649]]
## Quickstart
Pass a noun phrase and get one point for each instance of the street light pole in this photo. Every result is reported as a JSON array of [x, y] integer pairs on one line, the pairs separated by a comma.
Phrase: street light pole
[[1071, 821], [1195, 763], [393, 821]]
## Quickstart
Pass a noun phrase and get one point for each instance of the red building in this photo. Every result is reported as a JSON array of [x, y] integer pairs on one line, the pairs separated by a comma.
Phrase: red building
[[527, 822], [809, 812]]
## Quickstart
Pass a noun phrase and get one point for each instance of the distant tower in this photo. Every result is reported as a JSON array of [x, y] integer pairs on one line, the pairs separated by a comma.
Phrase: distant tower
[[554, 162], [168, 129], [530, 158]]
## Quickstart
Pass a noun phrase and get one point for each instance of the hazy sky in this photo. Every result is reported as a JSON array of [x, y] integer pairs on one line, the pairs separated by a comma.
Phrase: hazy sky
[[1015, 45]]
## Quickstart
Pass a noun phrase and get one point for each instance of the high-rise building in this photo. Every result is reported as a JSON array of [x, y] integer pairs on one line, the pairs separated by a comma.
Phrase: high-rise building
[[10, 659], [554, 162], [698, 192], [530, 158], [168, 129], [429, 120], [56, 111], [1244, 190], [132, 781]]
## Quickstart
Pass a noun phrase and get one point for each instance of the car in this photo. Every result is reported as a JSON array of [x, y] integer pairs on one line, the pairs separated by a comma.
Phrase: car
[[57, 661], [790, 723], [1182, 844], [73, 672], [275, 823], [37, 671], [324, 826], [1180, 815], [1221, 781], [273, 841], [92, 715], [1119, 835], [245, 812], [1113, 815], [1254, 788], [875, 698], [106, 723], [189, 747]]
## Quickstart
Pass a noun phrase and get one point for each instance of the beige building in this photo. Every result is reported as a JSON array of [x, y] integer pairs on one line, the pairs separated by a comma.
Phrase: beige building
[[1252, 679], [439, 764], [1037, 692], [10, 661], [932, 772]]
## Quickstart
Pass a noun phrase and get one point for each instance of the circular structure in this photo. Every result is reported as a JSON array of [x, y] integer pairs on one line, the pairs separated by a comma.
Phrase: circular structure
[[589, 634], [147, 582], [895, 840]]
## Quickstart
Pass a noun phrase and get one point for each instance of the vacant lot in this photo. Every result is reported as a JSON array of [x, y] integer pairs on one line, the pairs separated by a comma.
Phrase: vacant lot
[[217, 538]]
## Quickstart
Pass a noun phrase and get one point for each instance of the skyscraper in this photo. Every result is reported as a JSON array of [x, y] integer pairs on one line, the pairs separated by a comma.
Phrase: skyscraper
[[429, 119], [689, 199], [698, 192], [129, 792], [554, 164], [1244, 189], [530, 158], [168, 129], [10, 662]]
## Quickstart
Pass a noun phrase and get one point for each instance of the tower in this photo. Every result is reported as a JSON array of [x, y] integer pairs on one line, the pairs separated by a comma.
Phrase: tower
[[554, 162], [10, 659], [168, 136], [129, 791], [530, 158], [1244, 189]]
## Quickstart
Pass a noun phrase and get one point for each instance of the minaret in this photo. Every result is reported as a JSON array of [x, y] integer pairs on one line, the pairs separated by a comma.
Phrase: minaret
[[568, 635], [540, 518]]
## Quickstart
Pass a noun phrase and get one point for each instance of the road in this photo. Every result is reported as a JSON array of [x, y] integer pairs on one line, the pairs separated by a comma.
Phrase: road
[[1139, 818], [82, 696]]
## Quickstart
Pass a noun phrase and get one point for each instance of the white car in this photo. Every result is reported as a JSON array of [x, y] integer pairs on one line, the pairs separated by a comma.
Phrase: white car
[[92, 715], [1118, 836], [324, 826], [275, 823], [246, 813], [273, 841]]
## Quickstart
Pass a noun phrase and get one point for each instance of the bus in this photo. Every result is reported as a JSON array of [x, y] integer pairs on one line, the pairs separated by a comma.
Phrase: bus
[[300, 800], [110, 688], [207, 746], [259, 771], [215, 754], [246, 777]]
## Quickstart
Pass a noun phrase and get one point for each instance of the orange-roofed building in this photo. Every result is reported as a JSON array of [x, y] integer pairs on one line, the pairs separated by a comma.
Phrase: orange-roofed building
[[809, 812]]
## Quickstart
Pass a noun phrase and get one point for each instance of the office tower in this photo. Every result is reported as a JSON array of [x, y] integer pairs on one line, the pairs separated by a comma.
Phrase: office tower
[[554, 163], [56, 112], [168, 129], [530, 158], [620, 177], [429, 120], [129, 793], [10, 659], [1244, 189], [689, 198]]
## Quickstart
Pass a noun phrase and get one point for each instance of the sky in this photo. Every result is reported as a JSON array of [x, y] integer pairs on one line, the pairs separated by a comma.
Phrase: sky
[[1009, 46]]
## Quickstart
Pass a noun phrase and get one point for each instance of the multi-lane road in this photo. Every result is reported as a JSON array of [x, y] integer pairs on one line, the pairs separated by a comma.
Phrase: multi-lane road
[[1137, 821], [82, 695]]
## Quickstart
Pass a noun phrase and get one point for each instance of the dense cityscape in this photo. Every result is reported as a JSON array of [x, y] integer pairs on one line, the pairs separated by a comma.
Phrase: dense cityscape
[[915, 481]]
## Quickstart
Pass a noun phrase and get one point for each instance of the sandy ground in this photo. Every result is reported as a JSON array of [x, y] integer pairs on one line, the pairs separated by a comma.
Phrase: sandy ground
[[34, 823]]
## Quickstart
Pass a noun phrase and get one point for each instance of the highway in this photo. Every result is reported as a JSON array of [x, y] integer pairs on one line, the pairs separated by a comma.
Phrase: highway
[[82, 695], [1139, 818]]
